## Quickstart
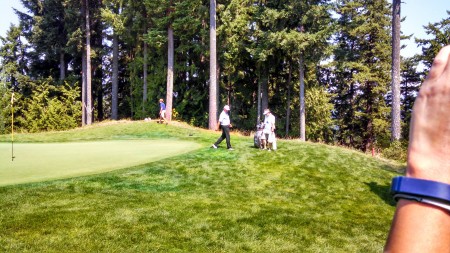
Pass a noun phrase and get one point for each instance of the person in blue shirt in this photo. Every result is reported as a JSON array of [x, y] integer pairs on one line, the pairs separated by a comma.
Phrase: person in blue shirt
[[225, 124], [162, 111]]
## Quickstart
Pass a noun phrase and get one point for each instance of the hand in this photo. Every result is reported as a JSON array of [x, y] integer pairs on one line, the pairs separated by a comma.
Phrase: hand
[[429, 140], [419, 227], [231, 125]]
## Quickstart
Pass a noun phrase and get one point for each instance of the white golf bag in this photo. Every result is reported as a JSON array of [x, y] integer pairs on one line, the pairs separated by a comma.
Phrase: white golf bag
[[258, 135]]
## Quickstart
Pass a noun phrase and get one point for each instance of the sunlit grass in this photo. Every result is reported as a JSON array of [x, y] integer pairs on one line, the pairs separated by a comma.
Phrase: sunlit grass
[[302, 198]]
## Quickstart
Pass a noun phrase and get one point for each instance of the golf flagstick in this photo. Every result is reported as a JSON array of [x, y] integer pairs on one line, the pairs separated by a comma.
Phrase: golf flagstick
[[12, 127]]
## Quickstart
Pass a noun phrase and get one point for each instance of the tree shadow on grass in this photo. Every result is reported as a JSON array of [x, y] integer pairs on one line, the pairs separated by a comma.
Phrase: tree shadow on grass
[[397, 168], [383, 191]]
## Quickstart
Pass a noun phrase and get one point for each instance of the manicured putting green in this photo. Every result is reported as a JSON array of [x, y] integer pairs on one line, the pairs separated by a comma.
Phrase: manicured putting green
[[36, 162]]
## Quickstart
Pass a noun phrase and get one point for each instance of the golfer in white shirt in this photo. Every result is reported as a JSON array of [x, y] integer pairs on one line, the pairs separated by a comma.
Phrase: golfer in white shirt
[[225, 124]]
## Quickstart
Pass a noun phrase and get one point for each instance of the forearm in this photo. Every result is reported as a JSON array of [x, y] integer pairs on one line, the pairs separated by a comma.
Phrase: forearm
[[418, 228]]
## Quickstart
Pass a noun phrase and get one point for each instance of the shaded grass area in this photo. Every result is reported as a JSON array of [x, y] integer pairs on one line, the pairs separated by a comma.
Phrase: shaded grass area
[[303, 198]]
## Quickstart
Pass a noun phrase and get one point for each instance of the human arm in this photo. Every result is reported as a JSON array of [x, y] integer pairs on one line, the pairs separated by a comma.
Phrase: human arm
[[419, 227], [272, 124]]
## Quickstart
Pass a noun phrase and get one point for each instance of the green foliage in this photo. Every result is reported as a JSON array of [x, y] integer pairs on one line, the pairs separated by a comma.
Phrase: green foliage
[[111, 17], [4, 112], [440, 36], [259, 42], [175, 114], [361, 72], [13, 61], [396, 151], [410, 84], [48, 107], [318, 114]]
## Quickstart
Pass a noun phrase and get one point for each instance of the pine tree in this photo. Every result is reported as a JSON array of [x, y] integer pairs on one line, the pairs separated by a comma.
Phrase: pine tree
[[13, 58], [87, 104], [411, 81], [440, 32], [361, 65], [212, 66], [112, 15], [395, 121]]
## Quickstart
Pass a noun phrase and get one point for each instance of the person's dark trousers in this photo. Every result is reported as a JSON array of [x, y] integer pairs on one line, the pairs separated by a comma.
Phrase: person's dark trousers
[[225, 135]]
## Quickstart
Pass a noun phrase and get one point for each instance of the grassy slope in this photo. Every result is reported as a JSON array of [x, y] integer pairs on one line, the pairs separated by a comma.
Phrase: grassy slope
[[303, 198]]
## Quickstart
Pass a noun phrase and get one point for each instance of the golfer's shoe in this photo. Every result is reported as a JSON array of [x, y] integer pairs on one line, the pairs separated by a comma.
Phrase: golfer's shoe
[[230, 149], [213, 146]]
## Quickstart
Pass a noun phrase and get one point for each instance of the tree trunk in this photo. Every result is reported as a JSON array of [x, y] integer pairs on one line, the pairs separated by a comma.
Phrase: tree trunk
[[99, 98], [259, 96], [302, 99], [88, 68], [115, 77], [369, 136], [62, 66], [212, 66], [264, 86], [170, 71], [288, 99], [97, 71], [144, 85], [229, 88], [145, 70], [395, 124], [83, 87], [83, 69]]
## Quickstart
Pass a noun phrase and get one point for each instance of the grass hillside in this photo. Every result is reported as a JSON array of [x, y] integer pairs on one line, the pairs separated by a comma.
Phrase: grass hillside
[[304, 197]]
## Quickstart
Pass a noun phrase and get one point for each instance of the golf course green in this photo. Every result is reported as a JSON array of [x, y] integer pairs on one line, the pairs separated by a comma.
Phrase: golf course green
[[36, 162]]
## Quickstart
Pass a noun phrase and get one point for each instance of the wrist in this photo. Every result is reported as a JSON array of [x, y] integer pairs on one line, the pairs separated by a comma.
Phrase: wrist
[[428, 192], [418, 227], [428, 165]]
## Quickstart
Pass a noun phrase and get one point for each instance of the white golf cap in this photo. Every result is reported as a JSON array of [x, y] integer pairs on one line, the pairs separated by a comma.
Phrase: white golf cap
[[266, 111], [226, 108]]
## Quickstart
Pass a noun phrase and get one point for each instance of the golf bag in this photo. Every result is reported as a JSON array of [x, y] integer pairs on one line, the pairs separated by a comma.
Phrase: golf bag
[[258, 135], [273, 140]]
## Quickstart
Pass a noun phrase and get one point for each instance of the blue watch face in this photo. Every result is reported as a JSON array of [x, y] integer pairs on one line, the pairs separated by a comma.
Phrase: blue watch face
[[421, 188]]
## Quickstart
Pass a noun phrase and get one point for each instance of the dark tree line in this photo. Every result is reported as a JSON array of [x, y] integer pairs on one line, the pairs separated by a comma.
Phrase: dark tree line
[[323, 67]]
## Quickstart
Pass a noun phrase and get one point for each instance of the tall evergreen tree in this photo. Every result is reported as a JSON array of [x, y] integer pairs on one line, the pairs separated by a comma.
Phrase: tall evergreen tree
[[395, 121], [212, 66], [112, 15], [13, 57], [12, 53], [362, 62], [170, 63], [411, 80], [440, 32], [44, 28], [88, 74], [298, 30]]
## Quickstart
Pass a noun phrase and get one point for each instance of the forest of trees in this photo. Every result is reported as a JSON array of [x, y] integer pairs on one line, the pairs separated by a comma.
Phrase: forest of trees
[[324, 67]]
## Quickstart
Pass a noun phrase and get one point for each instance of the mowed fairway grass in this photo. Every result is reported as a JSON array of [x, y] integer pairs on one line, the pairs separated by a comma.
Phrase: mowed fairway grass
[[305, 197], [34, 162]]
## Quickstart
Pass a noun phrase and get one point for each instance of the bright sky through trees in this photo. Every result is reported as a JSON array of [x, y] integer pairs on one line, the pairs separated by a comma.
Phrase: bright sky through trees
[[417, 15]]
